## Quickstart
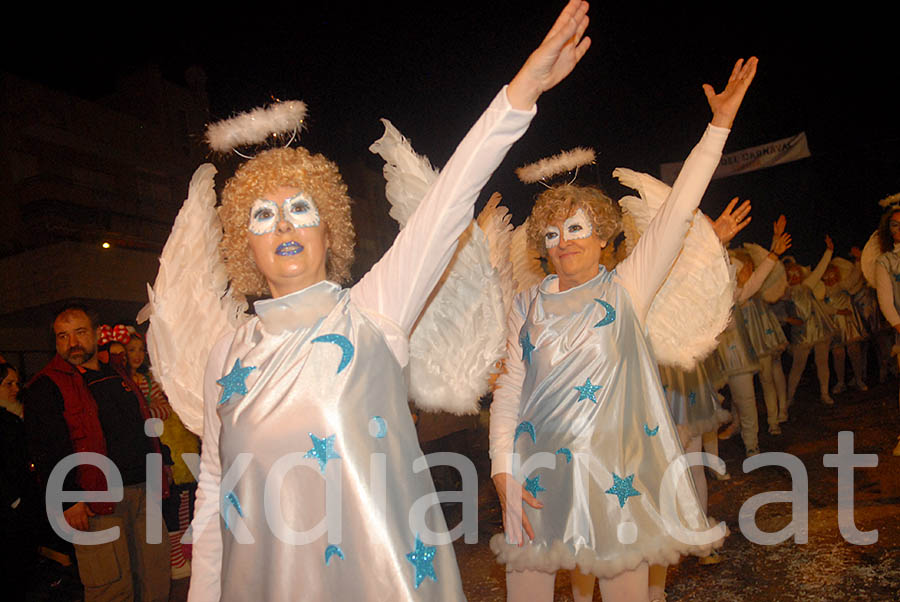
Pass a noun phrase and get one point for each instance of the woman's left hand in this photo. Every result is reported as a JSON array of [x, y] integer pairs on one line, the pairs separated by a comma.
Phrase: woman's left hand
[[554, 59], [732, 220], [726, 103]]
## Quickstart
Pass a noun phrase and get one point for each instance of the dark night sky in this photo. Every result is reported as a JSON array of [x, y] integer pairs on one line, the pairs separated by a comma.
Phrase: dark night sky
[[635, 98]]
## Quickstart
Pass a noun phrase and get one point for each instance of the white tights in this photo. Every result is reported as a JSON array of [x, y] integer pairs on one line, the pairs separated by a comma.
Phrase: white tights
[[743, 408], [771, 377], [537, 586], [838, 355], [801, 354]]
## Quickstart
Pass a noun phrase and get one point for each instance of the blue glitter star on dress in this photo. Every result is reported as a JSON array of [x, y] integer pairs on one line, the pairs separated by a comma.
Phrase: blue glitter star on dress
[[524, 427], [897, 277], [422, 557], [610, 316], [769, 331], [342, 342], [322, 450], [587, 390], [651, 432], [622, 489], [333, 551], [527, 348], [533, 486], [692, 398], [566, 453], [235, 381], [232, 499]]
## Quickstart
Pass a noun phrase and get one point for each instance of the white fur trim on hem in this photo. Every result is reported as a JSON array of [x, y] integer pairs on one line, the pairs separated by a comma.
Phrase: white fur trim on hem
[[549, 559]]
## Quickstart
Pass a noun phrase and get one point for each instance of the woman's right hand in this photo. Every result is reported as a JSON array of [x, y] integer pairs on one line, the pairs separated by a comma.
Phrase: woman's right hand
[[554, 59], [512, 494]]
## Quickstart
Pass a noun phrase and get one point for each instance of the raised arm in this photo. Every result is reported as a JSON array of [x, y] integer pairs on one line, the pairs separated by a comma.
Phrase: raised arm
[[644, 271], [781, 242], [816, 274], [399, 284]]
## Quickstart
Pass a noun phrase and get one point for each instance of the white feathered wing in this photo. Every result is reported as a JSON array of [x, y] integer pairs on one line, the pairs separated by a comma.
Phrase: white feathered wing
[[191, 306], [461, 334], [694, 303]]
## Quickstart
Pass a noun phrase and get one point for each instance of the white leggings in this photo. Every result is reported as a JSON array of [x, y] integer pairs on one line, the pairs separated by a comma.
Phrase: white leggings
[[743, 408], [537, 586], [801, 354], [771, 377], [838, 355]]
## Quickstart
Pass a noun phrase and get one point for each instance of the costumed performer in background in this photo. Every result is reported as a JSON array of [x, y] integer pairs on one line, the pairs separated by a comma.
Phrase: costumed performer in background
[[887, 276], [582, 383], [308, 397]]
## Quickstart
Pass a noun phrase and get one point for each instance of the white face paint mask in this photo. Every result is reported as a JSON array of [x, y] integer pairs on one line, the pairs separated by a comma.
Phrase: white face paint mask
[[263, 216], [551, 236], [577, 226], [298, 210]]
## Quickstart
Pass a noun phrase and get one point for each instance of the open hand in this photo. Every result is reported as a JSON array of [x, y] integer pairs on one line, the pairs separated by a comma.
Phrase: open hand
[[732, 220], [512, 494], [726, 103], [781, 243], [554, 59]]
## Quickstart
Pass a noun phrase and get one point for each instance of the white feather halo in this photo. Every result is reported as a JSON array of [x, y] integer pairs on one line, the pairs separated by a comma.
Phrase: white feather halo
[[254, 127], [887, 201], [548, 167]]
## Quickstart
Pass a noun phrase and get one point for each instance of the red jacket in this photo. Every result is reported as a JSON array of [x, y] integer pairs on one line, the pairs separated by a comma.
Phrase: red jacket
[[85, 431]]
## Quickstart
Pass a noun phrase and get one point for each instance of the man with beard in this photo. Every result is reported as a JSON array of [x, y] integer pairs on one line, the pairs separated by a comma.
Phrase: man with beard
[[79, 404]]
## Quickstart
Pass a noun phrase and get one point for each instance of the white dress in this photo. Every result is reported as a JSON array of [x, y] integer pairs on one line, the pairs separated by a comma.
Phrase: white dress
[[309, 399], [582, 386]]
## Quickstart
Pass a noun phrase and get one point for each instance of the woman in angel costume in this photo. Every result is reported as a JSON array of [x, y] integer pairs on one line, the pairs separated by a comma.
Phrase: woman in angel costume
[[579, 427], [307, 479], [813, 328], [881, 267], [736, 348], [839, 279]]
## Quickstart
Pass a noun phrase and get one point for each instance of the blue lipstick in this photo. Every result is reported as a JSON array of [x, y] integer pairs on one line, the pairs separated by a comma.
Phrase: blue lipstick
[[289, 248]]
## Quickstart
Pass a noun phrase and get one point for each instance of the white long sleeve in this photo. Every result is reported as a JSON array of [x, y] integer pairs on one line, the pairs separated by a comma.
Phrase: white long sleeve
[[644, 271], [641, 273], [751, 287], [817, 273], [507, 395], [885, 289], [398, 286], [207, 536]]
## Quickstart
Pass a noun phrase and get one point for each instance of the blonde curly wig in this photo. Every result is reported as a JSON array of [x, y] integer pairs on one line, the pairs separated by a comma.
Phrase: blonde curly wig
[[558, 203], [295, 168]]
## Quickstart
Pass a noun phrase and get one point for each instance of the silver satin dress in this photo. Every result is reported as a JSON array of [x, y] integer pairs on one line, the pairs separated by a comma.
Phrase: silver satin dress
[[850, 328], [693, 401], [891, 262], [763, 328], [326, 401], [817, 325], [593, 403]]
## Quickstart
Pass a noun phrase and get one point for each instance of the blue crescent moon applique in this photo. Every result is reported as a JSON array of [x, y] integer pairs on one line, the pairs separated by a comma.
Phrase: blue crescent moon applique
[[651, 432], [342, 342], [610, 316], [377, 427], [333, 551], [566, 453], [524, 427]]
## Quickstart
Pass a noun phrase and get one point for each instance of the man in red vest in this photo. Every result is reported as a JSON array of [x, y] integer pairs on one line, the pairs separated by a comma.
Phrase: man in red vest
[[78, 404]]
